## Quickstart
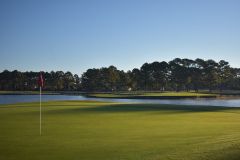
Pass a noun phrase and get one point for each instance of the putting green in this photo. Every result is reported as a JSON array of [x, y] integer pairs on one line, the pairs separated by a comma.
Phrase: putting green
[[102, 130]]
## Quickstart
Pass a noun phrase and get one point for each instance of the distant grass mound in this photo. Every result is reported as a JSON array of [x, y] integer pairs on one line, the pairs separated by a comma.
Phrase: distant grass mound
[[141, 94], [73, 130]]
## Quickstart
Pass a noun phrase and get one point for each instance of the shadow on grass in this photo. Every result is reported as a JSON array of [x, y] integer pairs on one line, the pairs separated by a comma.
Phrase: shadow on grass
[[110, 108]]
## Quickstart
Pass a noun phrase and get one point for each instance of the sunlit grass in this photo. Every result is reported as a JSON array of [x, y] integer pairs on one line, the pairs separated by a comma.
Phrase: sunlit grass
[[155, 94], [105, 130]]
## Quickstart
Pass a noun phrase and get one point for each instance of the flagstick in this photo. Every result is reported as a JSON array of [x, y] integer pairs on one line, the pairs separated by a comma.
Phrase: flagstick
[[40, 110]]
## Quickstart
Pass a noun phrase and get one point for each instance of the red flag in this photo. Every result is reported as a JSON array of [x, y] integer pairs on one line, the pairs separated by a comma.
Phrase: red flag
[[40, 82]]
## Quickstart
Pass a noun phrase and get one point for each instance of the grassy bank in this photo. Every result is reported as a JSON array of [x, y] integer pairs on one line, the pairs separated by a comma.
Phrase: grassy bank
[[131, 94], [101, 130], [142, 94]]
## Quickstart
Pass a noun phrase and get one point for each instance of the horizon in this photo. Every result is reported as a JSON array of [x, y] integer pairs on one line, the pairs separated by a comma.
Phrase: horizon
[[109, 66], [75, 36]]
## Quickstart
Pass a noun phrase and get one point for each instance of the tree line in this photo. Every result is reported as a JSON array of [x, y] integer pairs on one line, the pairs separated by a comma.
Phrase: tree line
[[28, 81], [176, 75]]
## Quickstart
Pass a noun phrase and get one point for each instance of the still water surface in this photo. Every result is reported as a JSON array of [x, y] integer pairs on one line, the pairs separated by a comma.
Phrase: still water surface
[[8, 99]]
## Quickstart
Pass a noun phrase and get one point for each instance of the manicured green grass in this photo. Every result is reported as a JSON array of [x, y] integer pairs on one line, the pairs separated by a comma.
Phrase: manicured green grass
[[145, 94], [104, 130]]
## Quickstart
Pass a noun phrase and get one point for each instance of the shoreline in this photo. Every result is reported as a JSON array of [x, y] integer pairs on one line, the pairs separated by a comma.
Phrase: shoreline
[[157, 97]]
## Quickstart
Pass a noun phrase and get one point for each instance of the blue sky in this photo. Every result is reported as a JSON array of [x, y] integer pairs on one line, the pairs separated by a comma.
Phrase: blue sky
[[75, 35]]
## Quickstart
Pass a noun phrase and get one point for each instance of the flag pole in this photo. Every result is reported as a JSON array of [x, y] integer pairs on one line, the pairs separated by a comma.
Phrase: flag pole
[[40, 82], [40, 112]]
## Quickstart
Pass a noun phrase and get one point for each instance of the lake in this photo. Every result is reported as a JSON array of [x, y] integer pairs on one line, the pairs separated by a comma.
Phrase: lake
[[8, 99]]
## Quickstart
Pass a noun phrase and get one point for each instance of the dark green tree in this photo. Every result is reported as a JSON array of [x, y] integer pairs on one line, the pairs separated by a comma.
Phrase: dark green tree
[[124, 81], [188, 66], [210, 72], [31, 80], [6, 80], [91, 80], [77, 82], [197, 73], [146, 75], [135, 78], [112, 77], [18, 80], [177, 73], [234, 80], [68, 80], [159, 73], [59, 80], [223, 73]]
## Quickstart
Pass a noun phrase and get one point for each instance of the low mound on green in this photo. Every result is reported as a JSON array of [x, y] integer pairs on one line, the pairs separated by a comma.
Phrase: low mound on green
[[151, 94], [73, 130]]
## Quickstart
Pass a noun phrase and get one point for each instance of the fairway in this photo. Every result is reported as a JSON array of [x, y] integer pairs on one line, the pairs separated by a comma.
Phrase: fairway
[[74, 130]]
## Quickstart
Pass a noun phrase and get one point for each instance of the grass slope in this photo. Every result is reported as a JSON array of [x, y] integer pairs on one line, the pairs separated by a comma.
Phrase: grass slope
[[154, 94], [101, 130]]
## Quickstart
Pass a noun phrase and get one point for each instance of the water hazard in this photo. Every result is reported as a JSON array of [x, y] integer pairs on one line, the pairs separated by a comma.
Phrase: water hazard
[[8, 99]]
